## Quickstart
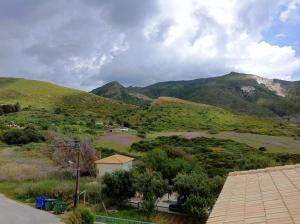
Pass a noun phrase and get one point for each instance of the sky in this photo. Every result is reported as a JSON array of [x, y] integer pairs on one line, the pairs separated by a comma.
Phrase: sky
[[87, 43]]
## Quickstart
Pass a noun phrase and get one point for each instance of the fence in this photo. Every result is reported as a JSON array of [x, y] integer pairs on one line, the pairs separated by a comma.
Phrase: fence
[[112, 220], [159, 208]]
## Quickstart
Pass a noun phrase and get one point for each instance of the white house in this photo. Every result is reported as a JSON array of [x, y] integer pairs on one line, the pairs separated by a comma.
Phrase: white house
[[112, 163]]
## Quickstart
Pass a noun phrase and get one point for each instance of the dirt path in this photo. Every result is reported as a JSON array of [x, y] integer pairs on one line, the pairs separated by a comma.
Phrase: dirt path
[[12, 212]]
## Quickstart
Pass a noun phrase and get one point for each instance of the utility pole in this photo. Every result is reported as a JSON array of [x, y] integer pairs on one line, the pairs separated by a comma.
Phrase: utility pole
[[76, 195]]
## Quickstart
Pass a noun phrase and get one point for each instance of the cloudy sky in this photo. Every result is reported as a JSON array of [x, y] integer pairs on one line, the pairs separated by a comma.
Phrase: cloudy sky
[[86, 43]]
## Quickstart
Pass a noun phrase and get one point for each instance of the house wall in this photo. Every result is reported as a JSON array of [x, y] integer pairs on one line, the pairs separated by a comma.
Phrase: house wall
[[109, 168]]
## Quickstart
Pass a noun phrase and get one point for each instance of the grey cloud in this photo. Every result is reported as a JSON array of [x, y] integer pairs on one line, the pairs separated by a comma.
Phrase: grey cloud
[[85, 43], [125, 13]]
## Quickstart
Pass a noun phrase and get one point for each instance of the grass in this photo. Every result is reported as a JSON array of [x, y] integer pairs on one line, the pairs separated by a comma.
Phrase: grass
[[39, 94], [125, 213], [20, 163], [171, 114], [8, 188]]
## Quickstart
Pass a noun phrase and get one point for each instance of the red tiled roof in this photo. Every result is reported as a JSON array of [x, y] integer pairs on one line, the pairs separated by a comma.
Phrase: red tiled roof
[[270, 195], [114, 159]]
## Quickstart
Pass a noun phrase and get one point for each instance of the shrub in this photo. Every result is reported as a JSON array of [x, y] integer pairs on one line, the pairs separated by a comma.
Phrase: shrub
[[148, 206], [263, 149], [141, 134], [81, 215], [255, 162], [9, 108], [58, 110], [197, 206], [22, 136]]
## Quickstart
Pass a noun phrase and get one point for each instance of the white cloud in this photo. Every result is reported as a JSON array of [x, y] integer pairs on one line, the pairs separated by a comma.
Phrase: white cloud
[[269, 61], [292, 12]]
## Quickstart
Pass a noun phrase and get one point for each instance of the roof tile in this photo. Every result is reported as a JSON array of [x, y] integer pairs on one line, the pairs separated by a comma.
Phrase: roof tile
[[270, 195]]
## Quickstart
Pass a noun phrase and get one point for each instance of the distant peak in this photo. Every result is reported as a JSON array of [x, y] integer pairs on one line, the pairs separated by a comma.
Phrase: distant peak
[[237, 74], [115, 83]]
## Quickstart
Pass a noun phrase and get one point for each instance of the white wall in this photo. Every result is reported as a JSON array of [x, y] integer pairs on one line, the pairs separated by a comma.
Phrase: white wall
[[109, 168]]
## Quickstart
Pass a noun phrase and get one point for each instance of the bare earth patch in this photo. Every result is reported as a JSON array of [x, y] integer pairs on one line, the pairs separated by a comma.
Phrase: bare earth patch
[[120, 141]]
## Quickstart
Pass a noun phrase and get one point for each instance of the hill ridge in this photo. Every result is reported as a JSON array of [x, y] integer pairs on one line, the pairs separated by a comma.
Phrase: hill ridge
[[237, 92]]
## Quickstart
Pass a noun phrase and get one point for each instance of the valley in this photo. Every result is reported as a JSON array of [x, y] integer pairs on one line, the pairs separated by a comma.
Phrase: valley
[[180, 141]]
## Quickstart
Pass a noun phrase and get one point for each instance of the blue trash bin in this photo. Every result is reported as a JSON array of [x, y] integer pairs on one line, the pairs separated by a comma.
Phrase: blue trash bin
[[40, 202]]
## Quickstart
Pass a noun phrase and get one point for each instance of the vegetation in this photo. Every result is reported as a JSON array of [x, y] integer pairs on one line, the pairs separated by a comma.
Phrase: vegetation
[[195, 193], [8, 108], [151, 186], [38, 94], [116, 91], [118, 186], [81, 215], [37, 152], [196, 168], [227, 92], [178, 115], [22, 136]]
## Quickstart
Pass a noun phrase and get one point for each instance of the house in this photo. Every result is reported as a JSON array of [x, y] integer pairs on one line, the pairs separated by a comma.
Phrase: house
[[112, 163], [270, 195]]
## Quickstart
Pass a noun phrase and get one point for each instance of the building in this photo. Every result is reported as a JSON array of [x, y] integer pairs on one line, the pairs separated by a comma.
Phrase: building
[[112, 163], [270, 195]]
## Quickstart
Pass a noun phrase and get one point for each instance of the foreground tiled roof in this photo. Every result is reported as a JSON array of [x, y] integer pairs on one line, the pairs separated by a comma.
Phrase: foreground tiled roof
[[115, 159], [270, 195]]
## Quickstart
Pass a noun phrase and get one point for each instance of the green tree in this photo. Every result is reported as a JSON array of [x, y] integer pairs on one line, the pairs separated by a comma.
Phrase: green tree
[[152, 186], [195, 194], [118, 186], [159, 160], [193, 183]]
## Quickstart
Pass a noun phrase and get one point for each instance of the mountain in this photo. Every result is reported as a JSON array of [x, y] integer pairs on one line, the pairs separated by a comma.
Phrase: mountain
[[39, 94], [236, 92], [116, 91], [172, 114]]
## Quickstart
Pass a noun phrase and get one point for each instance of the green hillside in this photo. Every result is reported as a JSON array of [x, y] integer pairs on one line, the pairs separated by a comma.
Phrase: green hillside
[[47, 106], [115, 90], [236, 92], [173, 114], [39, 94]]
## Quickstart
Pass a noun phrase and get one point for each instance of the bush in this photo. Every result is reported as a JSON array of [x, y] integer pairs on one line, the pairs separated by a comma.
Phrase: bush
[[141, 134], [58, 110], [262, 148], [118, 186], [81, 215], [197, 206], [148, 206], [9, 108], [22, 136]]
